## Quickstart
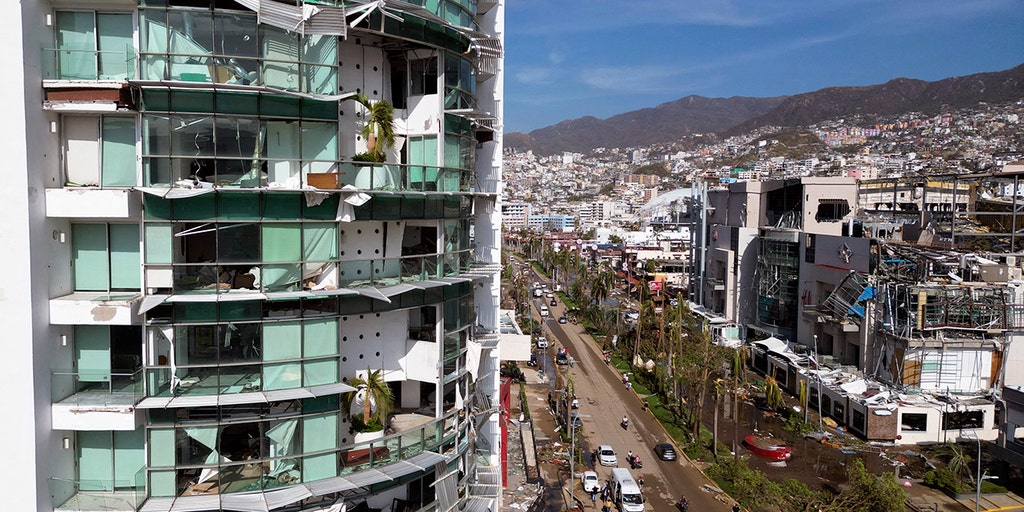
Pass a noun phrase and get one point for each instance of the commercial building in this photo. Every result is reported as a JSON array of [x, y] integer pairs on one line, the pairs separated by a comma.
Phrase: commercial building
[[897, 304], [235, 227]]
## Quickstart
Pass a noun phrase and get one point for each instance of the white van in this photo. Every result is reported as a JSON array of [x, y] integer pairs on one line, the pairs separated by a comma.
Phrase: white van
[[625, 491]]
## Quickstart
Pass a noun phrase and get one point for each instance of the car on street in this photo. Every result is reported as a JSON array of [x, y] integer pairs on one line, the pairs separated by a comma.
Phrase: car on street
[[606, 455], [542, 342], [554, 302], [576, 420], [590, 481], [665, 451], [562, 356], [549, 295], [562, 319]]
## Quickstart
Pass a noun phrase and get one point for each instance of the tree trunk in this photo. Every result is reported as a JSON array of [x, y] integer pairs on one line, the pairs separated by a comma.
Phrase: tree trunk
[[714, 432]]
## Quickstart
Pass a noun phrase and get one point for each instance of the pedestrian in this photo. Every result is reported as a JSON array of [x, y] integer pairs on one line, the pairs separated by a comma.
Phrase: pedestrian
[[593, 495], [608, 505], [572, 362], [640, 480]]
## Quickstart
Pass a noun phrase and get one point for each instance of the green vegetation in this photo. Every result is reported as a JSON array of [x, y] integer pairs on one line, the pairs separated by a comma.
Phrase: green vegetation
[[657, 169], [690, 371]]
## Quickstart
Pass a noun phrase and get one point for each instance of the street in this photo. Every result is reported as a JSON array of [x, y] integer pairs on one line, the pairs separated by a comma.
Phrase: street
[[604, 400]]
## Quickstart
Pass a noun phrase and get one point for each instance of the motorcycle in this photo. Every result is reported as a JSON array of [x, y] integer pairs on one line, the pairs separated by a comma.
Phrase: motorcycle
[[625, 423], [636, 463], [682, 504]]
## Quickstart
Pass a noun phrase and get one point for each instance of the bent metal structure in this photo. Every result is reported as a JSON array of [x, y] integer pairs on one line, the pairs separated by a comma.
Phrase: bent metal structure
[[210, 264]]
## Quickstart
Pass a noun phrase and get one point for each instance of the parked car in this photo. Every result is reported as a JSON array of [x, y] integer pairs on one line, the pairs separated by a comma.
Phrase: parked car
[[665, 451], [542, 342], [562, 319], [549, 295], [554, 302], [590, 481], [606, 455]]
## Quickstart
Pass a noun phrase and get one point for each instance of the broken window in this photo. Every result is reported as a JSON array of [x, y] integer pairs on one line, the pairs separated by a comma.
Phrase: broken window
[[914, 422], [961, 420], [858, 421], [832, 210], [423, 76]]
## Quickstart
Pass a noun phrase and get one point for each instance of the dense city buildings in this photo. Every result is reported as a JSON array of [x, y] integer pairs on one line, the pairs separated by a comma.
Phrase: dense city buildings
[[256, 246], [872, 265]]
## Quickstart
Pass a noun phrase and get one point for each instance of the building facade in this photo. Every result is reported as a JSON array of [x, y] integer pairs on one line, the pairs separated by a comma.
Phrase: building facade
[[242, 228], [896, 304]]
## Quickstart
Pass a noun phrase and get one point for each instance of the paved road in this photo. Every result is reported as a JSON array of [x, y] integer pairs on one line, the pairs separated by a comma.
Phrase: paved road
[[603, 402]]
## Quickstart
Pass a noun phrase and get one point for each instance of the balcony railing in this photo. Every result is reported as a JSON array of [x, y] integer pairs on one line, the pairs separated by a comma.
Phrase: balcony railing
[[115, 388], [223, 173], [206, 279], [77, 64], [91, 494], [444, 436]]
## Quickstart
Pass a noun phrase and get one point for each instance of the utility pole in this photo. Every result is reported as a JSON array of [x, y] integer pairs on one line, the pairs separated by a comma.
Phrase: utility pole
[[817, 377], [572, 461]]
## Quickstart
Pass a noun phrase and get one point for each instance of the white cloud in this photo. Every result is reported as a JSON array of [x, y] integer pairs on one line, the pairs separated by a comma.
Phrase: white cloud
[[636, 79], [535, 75]]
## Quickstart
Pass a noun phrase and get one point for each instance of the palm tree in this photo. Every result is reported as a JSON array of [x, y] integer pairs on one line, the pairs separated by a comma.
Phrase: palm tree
[[720, 388], [377, 400], [379, 128], [772, 393]]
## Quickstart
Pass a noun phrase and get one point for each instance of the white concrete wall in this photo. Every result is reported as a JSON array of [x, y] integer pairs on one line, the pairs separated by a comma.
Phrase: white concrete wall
[[30, 156]]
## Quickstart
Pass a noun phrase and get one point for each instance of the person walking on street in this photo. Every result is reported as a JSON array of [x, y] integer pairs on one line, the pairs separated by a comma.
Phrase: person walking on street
[[640, 480]]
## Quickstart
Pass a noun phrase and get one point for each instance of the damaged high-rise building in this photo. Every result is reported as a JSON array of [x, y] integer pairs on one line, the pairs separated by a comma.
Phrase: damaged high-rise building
[[255, 245], [897, 302]]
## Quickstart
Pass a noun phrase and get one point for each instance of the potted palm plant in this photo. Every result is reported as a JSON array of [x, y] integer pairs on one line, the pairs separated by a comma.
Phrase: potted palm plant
[[379, 132], [369, 405], [379, 127]]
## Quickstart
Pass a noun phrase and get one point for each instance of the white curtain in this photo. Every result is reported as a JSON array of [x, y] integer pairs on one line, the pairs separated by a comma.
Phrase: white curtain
[[207, 436], [282, 438]]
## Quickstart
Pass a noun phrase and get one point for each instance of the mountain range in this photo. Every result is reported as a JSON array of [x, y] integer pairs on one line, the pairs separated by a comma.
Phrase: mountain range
[[677, 119]]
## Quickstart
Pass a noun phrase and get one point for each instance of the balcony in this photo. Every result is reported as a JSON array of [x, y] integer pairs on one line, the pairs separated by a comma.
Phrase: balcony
[[93, 203], [100, 401], [280, 481], [391, 276], [95, 308]]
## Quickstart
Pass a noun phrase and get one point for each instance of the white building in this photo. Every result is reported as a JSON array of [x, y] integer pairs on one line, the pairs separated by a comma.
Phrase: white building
[[210, 254]]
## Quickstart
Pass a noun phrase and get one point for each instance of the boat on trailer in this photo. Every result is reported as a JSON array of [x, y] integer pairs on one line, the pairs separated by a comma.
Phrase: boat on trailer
[[769, 448]]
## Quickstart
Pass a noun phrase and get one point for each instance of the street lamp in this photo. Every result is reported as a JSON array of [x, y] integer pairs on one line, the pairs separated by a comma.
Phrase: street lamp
[[977, 497], [572, 461]]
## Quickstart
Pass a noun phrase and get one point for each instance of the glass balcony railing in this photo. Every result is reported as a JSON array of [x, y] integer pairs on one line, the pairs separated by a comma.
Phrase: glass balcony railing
[[443, 435], [70, 387], [125, 494], [79, 64], [296, 174], [316, 276]]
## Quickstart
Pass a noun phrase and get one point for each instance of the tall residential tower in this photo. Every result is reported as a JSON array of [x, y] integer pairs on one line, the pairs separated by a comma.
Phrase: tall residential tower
[[235, 231]]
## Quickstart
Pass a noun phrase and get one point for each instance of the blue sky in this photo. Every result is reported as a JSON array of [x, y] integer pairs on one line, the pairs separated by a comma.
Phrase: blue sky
[[566, 59]]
